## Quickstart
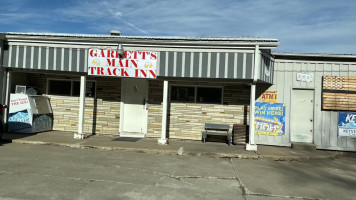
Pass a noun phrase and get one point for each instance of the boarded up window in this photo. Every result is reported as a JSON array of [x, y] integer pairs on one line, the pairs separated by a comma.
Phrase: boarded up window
[[339, 93]]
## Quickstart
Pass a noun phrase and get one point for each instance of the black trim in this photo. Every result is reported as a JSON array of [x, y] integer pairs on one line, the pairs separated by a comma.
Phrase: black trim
[[340, 91]]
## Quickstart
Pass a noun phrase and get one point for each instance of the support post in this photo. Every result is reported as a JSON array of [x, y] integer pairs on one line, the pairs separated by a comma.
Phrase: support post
[[81, 134], [7, 96], [163, 139], [251, 146]]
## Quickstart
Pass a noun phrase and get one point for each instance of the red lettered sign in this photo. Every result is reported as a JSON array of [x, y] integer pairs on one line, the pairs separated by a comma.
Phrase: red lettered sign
[[137, 64]]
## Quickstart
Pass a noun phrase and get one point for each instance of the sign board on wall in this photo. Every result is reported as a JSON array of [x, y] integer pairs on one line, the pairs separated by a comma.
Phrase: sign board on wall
[[269, 118], [305, 77], [347, 124], [339, 93], [270, 96], [135, 64]]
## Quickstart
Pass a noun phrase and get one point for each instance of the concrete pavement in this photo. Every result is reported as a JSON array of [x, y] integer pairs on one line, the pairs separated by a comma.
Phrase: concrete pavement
[[54, 172], [180, 147]]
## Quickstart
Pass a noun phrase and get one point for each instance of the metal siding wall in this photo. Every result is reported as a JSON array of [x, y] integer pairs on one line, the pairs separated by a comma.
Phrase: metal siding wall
[[50, 59], [249, 65], [213, 65], [231, 65], [66, 60], [82, 61], [170, 63], [46, 58], [35, 58], [325, 122], [179, 63], [162, 63], [28, 57], [196, 65], [6, 58], [43, 60], [20, 58], [240, 66], [74, 59], [187, 64], [206, 65], [58, 62], [222, 61], [266, 62]]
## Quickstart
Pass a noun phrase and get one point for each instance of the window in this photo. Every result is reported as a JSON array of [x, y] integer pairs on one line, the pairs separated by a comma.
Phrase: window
[[196, 94], [70, 88], [209, 95], [183, 94]]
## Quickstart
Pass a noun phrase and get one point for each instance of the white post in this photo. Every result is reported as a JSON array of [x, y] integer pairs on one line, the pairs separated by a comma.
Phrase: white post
[[80, 134], [163, 139], [7, 95], [251, 146]]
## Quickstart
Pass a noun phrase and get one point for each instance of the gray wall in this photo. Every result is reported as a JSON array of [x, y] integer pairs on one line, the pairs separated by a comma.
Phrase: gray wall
[[325, 122]]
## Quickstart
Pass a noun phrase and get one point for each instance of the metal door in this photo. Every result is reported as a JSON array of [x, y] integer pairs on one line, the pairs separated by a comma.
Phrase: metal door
[[302, 112], [134, 107]]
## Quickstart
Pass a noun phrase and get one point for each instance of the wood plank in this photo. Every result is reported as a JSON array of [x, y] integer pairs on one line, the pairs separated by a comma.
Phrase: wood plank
[[339, 101]]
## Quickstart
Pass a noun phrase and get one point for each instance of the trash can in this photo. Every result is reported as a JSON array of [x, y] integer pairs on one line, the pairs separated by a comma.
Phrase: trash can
[[240, 133]]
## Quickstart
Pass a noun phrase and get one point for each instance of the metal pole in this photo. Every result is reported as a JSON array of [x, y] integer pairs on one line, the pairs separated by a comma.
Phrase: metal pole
[[7, 95], [251, 146], [163, 139], [80, 134]]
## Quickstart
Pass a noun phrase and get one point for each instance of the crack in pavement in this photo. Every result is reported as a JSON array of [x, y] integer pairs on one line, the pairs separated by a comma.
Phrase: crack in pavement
[[243, 187], [175, 176], [247, 192], [283, 196]]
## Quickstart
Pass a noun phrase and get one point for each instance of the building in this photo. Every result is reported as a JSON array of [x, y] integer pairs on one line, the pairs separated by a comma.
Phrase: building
[[169, 87]]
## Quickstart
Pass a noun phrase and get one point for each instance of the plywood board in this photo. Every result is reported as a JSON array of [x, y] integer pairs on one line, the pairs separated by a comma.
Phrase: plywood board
[[339, 93]]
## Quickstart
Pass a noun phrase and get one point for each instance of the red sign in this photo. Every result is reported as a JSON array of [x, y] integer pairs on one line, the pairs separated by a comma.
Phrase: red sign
[[137, 64]]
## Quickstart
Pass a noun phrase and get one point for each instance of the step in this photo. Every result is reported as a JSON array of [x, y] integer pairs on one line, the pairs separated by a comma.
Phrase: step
[[304, 146]]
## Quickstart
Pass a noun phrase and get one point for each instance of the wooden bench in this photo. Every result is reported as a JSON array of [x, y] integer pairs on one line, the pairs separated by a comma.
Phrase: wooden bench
[[211, 129]]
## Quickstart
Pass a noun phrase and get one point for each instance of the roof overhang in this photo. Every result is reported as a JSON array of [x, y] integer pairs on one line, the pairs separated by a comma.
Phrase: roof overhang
[[207, 42]]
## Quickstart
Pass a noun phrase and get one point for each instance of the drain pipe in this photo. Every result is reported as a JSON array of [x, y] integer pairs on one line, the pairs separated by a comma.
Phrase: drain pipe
[[251, 146]]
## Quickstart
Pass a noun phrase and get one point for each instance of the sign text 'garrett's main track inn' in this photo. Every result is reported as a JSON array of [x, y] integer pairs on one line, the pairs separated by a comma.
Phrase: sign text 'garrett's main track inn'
[[170, 87]]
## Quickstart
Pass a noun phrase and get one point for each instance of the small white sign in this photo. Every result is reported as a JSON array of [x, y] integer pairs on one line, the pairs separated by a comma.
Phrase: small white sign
[[305, 77]]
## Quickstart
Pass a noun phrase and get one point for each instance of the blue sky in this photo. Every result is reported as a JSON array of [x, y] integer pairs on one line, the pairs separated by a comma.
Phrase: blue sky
[[302, 26]]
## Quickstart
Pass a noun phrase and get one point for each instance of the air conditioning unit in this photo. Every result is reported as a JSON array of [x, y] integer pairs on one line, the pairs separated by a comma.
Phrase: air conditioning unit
[[20, 89]]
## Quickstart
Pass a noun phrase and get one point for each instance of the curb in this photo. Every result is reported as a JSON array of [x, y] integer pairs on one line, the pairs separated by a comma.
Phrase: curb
[[138, 150], [255, 156]]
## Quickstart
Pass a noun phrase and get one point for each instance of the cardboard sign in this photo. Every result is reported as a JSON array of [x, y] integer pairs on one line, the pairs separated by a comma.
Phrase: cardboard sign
[[270, 96], [135, 64]]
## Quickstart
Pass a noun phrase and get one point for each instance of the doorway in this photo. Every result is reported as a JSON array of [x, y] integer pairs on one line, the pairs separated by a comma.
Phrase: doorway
[[133, 120], [302, 116]]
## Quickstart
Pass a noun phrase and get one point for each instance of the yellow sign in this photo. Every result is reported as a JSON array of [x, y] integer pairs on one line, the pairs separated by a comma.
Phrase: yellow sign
[[270, 96]]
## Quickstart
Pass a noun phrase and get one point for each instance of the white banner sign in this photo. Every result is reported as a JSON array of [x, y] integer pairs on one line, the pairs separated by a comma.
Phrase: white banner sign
[[137, 64]]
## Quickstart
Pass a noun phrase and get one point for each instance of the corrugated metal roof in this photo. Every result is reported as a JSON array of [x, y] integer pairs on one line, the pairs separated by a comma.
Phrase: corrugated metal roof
[[315, 57], [245, 39]]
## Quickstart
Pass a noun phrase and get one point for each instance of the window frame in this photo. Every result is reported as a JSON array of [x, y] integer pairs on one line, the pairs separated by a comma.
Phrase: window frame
[[71, 86], [196, 93]]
